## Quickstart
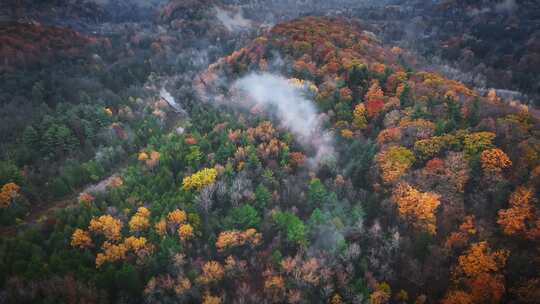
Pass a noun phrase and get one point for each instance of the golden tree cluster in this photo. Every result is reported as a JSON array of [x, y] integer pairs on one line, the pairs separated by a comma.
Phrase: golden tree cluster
[[417, 207], [212, 271], [475, 143], [481, 259], [200, 179], [235, 238], [177, 218], [150, 159], [494, 160], [8, 193], [140, 221], [161, 227], [118, 252], [381, 295], [479, 271], [394, 162], [185, 231], [210, 299], [513, 220], [81, 239], [111, 253], [359, 117], [137, 244], [108, 226]]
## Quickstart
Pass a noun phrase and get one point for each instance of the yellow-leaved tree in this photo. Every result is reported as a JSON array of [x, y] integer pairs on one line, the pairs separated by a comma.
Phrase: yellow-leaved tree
[[108, 226], [81, 239], [478, 270], [185, 231], [177, 217], [212, 271], [394, 162], [200, 179], [359, 117], [8, 193], [513, 219], [140, 221], [417, 207]]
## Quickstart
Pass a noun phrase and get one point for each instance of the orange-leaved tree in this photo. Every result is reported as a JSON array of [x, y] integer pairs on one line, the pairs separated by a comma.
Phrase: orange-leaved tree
[[394, 162], [81, 239], [513, 220], [140, 221], [106, 225], [8, 193], [416, 206], [494, 160]]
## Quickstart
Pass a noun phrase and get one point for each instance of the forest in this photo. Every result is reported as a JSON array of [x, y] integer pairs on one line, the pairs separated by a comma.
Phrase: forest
[[213, 152]]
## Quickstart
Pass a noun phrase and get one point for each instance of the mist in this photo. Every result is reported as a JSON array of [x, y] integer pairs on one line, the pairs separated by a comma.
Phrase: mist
[[294, 110], [233, 21]]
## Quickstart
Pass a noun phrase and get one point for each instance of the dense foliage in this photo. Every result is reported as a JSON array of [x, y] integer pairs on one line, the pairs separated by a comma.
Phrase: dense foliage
[[427, 198]]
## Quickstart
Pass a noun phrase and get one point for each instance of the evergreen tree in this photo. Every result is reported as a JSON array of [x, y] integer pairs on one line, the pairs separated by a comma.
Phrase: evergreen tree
[[474, 114], [404, 99], [31, 138], [262, 196]]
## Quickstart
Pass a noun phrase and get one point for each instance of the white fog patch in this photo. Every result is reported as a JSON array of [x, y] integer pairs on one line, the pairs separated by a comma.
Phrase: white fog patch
[[233, 21], [295, 112], [506, 6]]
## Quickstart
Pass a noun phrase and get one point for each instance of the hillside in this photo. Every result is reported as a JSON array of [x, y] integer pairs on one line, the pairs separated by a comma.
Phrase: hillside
[[26, 45], [312, 165], [489, 44]]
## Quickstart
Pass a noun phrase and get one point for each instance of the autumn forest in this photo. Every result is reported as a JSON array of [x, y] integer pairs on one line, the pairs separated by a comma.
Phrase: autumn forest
[[230, 152]]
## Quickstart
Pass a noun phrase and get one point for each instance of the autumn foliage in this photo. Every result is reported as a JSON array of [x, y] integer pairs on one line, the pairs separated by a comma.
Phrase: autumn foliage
[[405, 197], [394, 162], [140, 221], [8, 193], [417, 207], [359, 116], [185, 231], [481, 259], [479, 271], [107, 226], [200, 179], [81, 239], [234, 238], [111, 253], [25, 44], [212, 271], [513, 220], [177, 217], [494, 160]]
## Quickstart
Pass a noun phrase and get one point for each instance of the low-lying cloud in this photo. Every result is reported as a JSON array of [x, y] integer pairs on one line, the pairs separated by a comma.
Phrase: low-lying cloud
[[294, 110], [233, 21]]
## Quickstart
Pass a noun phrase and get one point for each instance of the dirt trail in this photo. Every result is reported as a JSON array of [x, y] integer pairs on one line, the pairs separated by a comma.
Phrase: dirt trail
[[37, 212], [44, 210]]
